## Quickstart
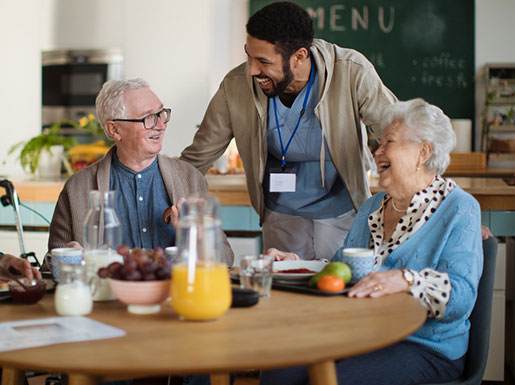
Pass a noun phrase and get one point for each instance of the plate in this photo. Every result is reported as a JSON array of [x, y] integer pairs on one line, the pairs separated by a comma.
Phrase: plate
[[315, 266], [304, 289]]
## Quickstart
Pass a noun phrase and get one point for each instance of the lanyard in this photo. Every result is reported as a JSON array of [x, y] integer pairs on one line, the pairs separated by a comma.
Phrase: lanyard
[[284, 149]]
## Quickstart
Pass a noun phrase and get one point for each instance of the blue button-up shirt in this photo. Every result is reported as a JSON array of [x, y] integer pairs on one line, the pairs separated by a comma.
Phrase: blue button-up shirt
[[141, 200]]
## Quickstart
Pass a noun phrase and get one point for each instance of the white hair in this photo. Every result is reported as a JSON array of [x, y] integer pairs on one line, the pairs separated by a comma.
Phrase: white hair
[[110, 102], [425, 123]]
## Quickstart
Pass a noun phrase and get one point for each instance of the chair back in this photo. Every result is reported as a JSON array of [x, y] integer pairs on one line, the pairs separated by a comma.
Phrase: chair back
[[479, 338], [479, 335]]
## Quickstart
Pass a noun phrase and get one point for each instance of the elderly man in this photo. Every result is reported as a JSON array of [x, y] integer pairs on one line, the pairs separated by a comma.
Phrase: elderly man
[[297, 110], [145, 182]]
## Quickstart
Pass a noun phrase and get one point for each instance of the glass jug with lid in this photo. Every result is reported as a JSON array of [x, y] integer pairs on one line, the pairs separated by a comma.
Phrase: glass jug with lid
[[102, 235], [200, 278]]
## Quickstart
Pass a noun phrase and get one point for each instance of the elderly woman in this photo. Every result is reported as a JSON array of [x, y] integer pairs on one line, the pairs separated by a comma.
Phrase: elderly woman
[[426, 234]]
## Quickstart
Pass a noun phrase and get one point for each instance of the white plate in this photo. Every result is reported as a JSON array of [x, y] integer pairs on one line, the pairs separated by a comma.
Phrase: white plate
[[315, 266]]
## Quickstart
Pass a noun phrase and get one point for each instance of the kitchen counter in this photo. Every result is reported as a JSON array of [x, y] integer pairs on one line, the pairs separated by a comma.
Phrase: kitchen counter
[[492, 193], [495, 196]]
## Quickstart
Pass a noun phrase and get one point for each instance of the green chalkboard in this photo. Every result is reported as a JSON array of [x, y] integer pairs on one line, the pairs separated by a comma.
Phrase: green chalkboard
[[420, 48]]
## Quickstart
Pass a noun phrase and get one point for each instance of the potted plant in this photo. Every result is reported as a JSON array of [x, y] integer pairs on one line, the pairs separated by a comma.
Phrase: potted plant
[[36, 150], [43, 144]]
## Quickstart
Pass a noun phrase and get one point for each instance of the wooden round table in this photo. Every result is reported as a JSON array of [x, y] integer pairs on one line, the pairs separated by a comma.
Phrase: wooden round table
[[285, 330]]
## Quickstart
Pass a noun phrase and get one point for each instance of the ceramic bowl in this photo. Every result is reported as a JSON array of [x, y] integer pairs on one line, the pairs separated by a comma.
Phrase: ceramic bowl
[[142, 297], [33, 291]]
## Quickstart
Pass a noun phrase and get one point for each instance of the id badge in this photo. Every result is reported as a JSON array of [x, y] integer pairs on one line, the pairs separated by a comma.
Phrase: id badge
[[283, 181]]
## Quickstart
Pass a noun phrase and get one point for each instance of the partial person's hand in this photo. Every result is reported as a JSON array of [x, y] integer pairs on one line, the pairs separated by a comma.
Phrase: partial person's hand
[[171, 216], [378, 284], [19, 266], [485, 232], [74, 245], [282, 255]]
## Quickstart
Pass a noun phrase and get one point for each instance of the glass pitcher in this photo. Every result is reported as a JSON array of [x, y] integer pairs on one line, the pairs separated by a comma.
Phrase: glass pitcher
[[74, 292], [102, 235], [200, 279]]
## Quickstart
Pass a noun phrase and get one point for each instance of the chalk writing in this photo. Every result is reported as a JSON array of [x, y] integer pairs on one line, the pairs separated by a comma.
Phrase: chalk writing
[[443, 60], [437, 80], [377, 59], [339, 18]]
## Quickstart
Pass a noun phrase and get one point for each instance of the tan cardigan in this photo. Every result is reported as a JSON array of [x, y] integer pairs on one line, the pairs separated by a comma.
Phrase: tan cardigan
[[351, 94], [180, 179]]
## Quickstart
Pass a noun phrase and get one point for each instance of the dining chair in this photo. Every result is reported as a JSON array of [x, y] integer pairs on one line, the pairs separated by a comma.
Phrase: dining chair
[[479, 336]]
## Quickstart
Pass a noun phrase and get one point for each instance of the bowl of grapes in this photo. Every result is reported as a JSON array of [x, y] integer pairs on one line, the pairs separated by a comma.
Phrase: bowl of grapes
[[142, 281]]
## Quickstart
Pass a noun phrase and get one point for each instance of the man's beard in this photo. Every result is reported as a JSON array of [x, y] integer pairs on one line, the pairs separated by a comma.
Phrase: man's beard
[[281, 86]]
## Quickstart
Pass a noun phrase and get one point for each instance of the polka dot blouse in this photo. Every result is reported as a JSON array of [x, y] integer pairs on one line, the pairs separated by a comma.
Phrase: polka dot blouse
[[431, 287]]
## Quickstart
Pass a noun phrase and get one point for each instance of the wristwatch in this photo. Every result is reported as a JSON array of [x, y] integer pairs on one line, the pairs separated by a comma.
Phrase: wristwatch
[[408, 277]]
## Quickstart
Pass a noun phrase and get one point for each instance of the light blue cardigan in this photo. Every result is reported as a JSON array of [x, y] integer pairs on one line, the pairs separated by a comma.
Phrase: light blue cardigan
[[450, 241]]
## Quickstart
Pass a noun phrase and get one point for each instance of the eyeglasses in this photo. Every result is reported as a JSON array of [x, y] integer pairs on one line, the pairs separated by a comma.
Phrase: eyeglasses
[[150, 121]]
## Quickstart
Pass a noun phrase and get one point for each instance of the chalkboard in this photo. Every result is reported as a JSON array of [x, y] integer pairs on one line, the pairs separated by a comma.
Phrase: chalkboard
[[420, 48]]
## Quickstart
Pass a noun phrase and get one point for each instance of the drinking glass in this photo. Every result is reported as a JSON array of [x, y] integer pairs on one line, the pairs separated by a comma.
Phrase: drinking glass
[[256, 273], [200, 279]]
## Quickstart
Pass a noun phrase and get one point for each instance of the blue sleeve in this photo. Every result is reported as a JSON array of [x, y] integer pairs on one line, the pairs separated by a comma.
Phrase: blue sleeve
[[462, 258]]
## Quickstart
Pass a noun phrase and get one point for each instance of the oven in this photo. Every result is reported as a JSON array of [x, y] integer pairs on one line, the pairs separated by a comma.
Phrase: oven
[[71, 80]]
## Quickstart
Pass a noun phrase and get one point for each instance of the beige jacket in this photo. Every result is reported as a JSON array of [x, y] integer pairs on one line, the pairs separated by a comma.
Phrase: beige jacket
[[351, 95], [180, 180]]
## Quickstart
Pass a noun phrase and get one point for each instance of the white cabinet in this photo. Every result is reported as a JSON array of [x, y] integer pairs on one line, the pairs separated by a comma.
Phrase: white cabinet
[[36, 241], [244, 246]]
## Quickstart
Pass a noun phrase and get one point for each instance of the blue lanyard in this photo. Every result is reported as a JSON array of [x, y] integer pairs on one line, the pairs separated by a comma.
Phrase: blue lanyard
[[283, 149]]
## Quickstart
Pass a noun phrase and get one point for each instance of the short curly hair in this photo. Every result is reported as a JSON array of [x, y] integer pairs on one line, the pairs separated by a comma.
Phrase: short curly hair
[[426, 123], [286, 25]]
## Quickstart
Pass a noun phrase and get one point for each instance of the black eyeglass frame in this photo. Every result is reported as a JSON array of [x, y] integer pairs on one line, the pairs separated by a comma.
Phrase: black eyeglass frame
[[142, 120]]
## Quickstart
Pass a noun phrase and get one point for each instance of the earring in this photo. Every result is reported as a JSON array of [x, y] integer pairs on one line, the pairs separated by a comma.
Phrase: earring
[[418, 168]]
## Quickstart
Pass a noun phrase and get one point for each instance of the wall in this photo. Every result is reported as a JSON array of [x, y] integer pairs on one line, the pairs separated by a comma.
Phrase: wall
[[165, 42], [182, 48], [20, 72]]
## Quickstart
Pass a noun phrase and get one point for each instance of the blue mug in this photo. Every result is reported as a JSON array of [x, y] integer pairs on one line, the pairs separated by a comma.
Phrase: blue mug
[[361, 262], [63, 255]]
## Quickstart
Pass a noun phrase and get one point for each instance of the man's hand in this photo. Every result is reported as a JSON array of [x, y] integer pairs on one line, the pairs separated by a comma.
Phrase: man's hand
[[74, 245], [20, 266], [171, 215], [282, 255], [485, 233]]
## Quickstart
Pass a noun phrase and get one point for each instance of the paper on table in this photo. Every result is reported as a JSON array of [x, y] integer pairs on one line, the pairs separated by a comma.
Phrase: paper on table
[[55, 330]]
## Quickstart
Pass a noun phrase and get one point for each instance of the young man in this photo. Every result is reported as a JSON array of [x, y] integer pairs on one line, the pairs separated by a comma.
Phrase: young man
[[297, 109]]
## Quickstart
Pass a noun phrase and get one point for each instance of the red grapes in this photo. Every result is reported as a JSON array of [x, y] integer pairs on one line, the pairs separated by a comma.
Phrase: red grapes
[[138, 265]]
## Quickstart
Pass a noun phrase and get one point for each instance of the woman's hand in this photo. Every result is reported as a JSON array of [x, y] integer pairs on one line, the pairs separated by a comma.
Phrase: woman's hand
[[22, 266], [282, 255], [379, 283]]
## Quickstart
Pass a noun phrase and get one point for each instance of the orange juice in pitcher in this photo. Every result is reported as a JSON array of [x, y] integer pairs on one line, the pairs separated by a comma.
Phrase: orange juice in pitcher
[[201, 288], [201, 293]]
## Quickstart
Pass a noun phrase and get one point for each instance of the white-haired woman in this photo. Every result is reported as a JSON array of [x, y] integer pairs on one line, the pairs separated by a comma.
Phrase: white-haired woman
[[426, 234]]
